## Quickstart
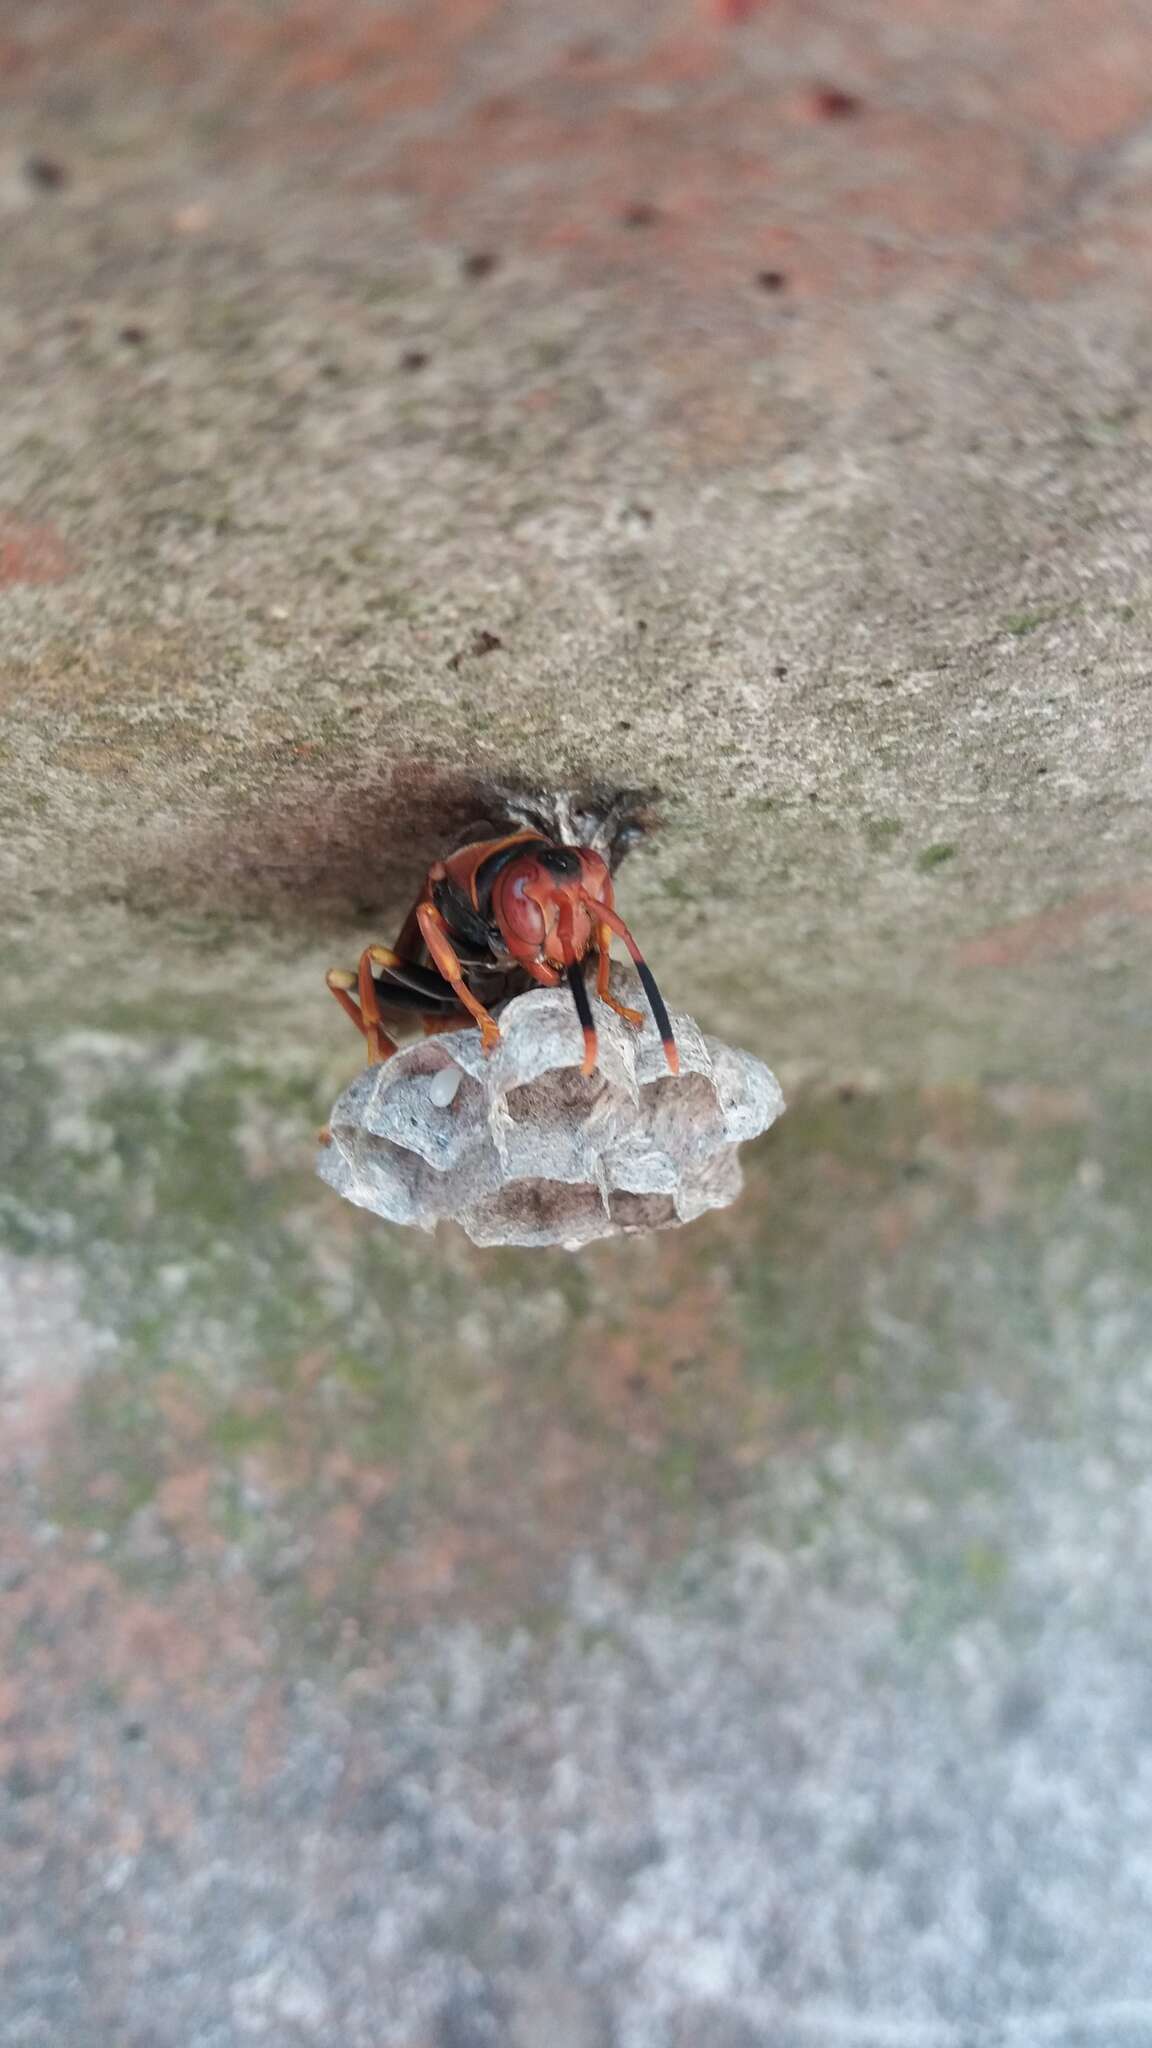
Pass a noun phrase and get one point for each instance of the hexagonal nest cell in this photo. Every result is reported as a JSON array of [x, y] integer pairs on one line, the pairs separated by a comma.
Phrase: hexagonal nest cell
[[521, 1148]]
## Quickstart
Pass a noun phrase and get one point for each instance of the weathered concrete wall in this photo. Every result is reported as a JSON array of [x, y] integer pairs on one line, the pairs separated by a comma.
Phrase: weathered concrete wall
[[792, 442], [731, 1640]]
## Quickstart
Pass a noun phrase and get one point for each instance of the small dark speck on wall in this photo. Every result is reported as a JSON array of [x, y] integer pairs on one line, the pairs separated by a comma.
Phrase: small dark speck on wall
[[46, 174], [480, 643], [830, 103]]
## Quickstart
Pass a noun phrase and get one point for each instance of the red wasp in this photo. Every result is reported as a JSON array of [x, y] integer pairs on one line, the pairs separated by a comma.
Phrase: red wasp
[[490, 919]]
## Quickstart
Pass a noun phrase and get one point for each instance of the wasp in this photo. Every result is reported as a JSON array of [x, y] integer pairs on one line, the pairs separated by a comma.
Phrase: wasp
[[491, 919]]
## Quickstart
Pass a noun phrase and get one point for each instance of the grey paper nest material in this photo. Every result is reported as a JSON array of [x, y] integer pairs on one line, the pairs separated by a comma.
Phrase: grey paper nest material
[[521, 1148]]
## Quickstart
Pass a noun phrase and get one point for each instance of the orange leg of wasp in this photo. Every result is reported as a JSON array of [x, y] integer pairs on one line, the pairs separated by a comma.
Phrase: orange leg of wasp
[[603, 969], [380, 1046], [442, 954], [603, 914], [365, 1015], [566, 933], [542, 971], [340, 983]]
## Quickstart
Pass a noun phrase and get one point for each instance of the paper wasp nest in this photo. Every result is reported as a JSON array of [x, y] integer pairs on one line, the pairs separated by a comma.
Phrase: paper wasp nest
[[521, 1148]]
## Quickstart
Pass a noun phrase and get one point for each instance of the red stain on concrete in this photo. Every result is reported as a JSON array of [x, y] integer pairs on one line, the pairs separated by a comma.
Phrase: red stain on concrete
[[32, 554], [1056, 930], [941, 132]]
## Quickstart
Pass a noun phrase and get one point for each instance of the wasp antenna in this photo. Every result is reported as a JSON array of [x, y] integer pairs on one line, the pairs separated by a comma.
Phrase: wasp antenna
[[579, 990], [655, 999]]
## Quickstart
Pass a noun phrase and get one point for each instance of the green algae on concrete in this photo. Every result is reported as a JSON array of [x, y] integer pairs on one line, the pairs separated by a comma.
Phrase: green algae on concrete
[[716, 1641], [232, 1321]]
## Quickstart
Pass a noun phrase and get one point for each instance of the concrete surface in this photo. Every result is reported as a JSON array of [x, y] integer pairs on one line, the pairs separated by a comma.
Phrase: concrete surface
[[738, 1640]]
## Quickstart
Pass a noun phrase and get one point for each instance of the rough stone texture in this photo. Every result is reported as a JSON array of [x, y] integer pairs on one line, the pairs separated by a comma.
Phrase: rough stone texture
[[736, 1638], [795, 455], [521, 1148]]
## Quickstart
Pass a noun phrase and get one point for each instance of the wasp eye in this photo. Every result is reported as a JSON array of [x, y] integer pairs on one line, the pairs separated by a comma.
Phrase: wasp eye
[[560, 860]]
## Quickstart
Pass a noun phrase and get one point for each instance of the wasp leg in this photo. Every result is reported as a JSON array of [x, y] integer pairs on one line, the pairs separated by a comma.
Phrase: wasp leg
[[380, 1046], [340, 984], [547, 976], [579, 988], [435, 935], [394, 999], [397, 974], [603, 969], [602, 914], [365, 1015]]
